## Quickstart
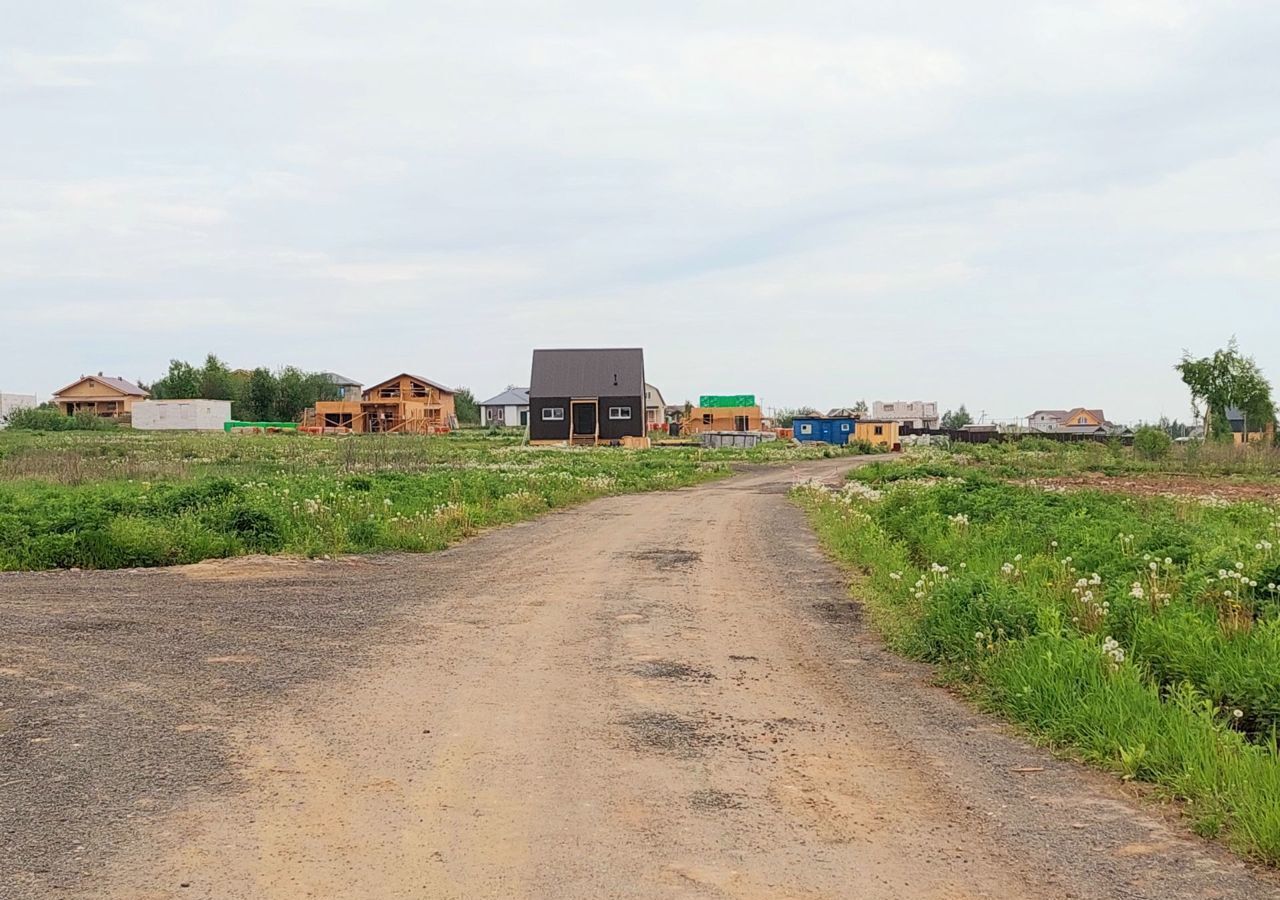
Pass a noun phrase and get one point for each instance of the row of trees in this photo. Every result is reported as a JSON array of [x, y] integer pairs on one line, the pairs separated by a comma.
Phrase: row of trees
[[263, 395], [260, 395]]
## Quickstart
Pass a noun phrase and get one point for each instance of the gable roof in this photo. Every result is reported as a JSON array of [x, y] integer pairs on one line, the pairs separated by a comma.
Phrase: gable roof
[[435, 384], [514, 396], [341, 380], [588, 373], [116, 384]]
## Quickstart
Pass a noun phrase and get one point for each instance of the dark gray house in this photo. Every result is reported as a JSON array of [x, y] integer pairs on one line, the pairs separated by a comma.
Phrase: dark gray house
[[586, 396]]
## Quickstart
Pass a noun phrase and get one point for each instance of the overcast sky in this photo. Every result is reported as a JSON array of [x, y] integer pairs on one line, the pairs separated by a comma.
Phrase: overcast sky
[[1007, 204]]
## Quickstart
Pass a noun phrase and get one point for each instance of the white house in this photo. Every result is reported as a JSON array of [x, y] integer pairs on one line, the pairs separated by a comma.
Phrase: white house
[[655, 408], [510, 409], [915, 413], [10, 403], [181, 415]]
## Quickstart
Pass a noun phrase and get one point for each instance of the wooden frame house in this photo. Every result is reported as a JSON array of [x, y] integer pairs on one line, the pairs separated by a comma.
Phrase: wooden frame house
[[587, 397], [99, 395], [405, 404]]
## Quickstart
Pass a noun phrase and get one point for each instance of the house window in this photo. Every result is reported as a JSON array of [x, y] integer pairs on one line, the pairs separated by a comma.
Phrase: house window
[[806, 428], [553, 414], [844, 426], [1082, 421], [619, 412], [706, 418], [879, 430]]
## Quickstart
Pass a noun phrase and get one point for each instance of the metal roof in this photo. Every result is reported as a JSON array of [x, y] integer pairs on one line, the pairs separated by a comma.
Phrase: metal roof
[[119, 384], [588, 373], [341, 380], [510, 397]]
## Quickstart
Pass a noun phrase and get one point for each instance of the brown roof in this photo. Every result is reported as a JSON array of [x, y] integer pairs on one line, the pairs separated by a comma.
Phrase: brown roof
[[600, 372], [118, 384]]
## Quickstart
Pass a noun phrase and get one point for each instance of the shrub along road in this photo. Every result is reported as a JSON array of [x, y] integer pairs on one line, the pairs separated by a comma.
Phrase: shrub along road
[[658, 695]]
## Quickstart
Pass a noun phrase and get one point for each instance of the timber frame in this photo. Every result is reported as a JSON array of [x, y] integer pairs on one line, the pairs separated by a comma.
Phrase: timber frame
[[405, 404]]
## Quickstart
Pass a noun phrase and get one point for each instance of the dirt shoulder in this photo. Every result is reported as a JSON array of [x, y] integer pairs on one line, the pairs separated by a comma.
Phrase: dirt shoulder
[[659, 695]]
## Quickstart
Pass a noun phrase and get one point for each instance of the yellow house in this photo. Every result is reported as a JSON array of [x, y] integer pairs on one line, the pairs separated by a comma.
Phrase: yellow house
[[99, 395], [877, 433]]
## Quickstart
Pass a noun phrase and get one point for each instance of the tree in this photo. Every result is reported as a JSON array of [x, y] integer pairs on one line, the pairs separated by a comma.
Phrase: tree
[[784, 417], [953, 421], [466, 408], [1225, 380], [216, 381], [1152, 442], [860, 408], [259, 396], [182, 382]]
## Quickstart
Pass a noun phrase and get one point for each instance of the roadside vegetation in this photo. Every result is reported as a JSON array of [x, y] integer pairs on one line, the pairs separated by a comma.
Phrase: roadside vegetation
[[125, 499], [1140, 632]]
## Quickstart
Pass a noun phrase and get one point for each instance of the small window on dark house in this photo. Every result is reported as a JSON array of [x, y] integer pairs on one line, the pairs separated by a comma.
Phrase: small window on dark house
[[844, 426], [806, 428], [619, 412], [552, 413]]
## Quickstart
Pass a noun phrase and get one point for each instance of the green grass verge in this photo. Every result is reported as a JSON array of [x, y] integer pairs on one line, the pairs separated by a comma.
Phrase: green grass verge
[[1142, 634], [115, 500]]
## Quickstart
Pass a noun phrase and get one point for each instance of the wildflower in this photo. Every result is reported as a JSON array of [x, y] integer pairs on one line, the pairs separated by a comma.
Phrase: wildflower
[[1238, 713], [386, 501], [1168, 560], [1137, 593], [978, 635]]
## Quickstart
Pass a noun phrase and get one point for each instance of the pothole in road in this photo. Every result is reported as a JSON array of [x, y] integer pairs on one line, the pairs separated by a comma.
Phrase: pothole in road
[[839, 612], [666, 559], [678, 671], [669, 733], [712, 800]]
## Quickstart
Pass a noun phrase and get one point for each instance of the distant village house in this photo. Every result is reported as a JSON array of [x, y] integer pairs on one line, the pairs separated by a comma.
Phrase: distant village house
[[510, 409], [99, 395], [908, 413], [405, 404]]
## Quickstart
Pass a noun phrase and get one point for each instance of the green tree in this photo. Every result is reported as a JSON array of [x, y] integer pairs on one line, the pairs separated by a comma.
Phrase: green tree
[[466, 408], [1152, 442], [1224, 380], [957, 419], [259, 399], [216, 381], [784, 417], [860, 408], [182, 382]]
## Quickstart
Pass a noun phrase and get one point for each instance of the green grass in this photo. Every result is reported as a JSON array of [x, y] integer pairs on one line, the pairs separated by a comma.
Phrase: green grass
[[1033, 457], [1126, 629], [124, 499]]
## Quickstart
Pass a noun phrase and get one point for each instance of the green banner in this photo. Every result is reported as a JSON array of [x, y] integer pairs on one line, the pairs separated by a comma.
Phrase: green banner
[[723, 400]]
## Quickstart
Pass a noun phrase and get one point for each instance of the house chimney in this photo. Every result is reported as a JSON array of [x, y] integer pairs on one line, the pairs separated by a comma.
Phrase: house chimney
[[99, 374]]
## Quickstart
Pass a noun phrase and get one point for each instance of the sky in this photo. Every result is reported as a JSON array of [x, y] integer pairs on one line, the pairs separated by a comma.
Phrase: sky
[[1007, 205]]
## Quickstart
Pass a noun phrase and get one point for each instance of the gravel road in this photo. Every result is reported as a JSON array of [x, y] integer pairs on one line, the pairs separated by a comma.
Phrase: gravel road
[[658, 695]]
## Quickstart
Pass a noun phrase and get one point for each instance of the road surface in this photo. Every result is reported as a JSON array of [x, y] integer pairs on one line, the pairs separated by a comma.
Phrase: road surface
[[658, 695]]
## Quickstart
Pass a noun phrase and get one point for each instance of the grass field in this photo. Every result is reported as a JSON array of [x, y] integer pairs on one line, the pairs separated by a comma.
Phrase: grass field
[[125, 499], [1141, 632]]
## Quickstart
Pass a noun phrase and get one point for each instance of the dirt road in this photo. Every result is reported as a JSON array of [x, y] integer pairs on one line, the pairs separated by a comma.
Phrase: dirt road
[[662, 695]]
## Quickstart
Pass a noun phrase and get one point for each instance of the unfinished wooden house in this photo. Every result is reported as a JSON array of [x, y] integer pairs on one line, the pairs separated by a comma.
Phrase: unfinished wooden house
[[405, 404], [587, 397], [737, 412], [99, 395]]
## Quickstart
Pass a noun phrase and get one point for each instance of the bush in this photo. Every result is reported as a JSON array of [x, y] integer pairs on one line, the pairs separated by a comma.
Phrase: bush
[[49, 418], [1152, 443]]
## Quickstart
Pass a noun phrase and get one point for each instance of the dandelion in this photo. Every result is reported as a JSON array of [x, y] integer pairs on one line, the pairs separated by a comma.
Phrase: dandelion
[[1238, 713]]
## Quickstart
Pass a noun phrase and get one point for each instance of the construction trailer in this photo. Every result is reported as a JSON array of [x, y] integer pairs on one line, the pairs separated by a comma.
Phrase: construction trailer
[[824, 429], [181, 415], [884, 433], [405, 404], [587, 397]]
